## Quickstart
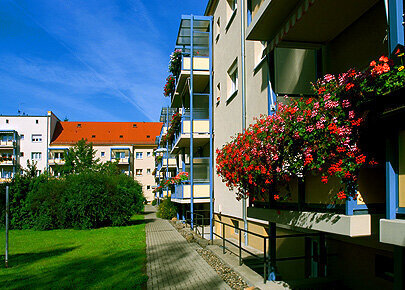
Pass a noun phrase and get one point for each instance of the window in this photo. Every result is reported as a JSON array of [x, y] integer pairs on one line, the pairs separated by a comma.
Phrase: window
[[218, 92], [148, 154], [36, 121], [139, 155], [294, 70], [121, 136], [79, 125], [6, 121], [218, 28], [148, 171], [36, 138], [236, 225], [22, 137], [148, 187], [22, 154], [59, 155], [134, 126], [233, 77], [259, 48], [7, 138], [102, 154], [93, 136], [36, 155], [233, 4], [147, 136], [231, 12], [138, 172]]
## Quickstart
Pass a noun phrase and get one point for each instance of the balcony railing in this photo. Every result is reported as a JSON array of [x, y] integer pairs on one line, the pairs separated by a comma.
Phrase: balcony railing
[[7, 143], [200, 129], [56, 161], [201, 190]]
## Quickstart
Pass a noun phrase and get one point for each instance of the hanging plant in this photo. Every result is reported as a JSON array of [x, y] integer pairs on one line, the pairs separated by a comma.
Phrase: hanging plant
[[170, 86], [318, 135], [175, 63]]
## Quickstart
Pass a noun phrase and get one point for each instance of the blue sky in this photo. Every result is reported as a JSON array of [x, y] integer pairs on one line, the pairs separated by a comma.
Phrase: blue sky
[[92, 60]]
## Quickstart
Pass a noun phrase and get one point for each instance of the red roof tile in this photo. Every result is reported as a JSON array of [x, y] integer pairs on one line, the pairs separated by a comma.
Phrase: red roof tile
[[142, 133]]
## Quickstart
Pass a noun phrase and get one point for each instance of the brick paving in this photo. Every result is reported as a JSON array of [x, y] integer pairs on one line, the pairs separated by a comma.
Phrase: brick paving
[[172, 263]]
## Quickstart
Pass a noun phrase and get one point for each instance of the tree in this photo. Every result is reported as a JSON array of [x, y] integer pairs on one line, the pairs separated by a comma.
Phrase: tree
[[80, 157]]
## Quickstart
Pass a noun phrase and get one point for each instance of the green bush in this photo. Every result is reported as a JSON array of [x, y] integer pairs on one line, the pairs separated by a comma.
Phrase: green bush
[[89, 199], [154, 202], [166, 209]]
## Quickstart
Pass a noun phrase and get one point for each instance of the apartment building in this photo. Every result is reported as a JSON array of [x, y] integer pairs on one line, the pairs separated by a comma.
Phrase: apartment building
[[266, 50], [131, 143], [23, 139]]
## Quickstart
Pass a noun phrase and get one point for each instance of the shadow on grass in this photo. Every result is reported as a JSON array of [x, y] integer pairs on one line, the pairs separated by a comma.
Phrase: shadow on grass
[[29, 258], [124, 269]]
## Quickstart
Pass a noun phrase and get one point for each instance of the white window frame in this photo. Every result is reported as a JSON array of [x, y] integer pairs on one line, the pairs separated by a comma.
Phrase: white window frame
[[36, 155], [148, 171], [138, 172], [36, 138], [139, 155], [148, 154], [233, 77]]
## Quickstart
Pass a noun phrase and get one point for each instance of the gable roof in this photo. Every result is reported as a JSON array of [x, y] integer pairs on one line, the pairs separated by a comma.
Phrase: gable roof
[[135, 133]]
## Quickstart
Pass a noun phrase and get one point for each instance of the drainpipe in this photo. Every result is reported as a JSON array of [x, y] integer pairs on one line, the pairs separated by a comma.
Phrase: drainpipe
[[242, 47], [211, 139]]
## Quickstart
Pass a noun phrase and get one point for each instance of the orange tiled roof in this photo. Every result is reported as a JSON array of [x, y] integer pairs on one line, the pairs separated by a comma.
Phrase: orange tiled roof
[[142, 133]]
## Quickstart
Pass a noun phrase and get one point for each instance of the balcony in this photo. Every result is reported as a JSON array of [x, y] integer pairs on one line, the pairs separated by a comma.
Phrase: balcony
[[201, 77], [182, 193], [303, 21], [164, 163], [201, 130], [122, 155], [309, 205]]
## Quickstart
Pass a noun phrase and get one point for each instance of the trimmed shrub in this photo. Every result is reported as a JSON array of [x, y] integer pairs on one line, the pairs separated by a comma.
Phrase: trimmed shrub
[[86, 200], [154, 202], [166, 209]]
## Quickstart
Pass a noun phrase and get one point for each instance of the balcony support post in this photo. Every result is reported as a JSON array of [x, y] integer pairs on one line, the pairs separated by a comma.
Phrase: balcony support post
[[191, 120], [391, 176], [272, 251], [395, 23]]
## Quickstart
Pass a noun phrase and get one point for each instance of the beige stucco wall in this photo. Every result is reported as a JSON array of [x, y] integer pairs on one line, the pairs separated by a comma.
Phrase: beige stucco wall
[[228, 113], [146, 179]]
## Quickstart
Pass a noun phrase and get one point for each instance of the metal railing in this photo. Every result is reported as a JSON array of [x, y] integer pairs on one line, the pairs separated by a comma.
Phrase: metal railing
[[265, 258], [198, 220], [239, 245]]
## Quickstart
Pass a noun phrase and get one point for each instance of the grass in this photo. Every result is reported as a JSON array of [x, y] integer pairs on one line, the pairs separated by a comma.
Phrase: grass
[[101, 258]]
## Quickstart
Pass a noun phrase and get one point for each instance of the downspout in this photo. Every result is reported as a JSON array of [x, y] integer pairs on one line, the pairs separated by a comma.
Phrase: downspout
[[211, 139], [191, 121], [242, 41]]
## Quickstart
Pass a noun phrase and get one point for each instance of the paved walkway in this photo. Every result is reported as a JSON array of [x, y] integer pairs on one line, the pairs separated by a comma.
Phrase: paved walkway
[[172, 263]]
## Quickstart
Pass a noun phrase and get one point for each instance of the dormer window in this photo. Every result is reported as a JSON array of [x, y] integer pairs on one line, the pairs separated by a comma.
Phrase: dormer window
[[134, 126], [93, 136], [79, 125], [121, 136]]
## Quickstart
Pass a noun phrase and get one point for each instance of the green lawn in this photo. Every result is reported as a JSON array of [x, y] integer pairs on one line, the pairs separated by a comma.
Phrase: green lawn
[[101, 258]]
